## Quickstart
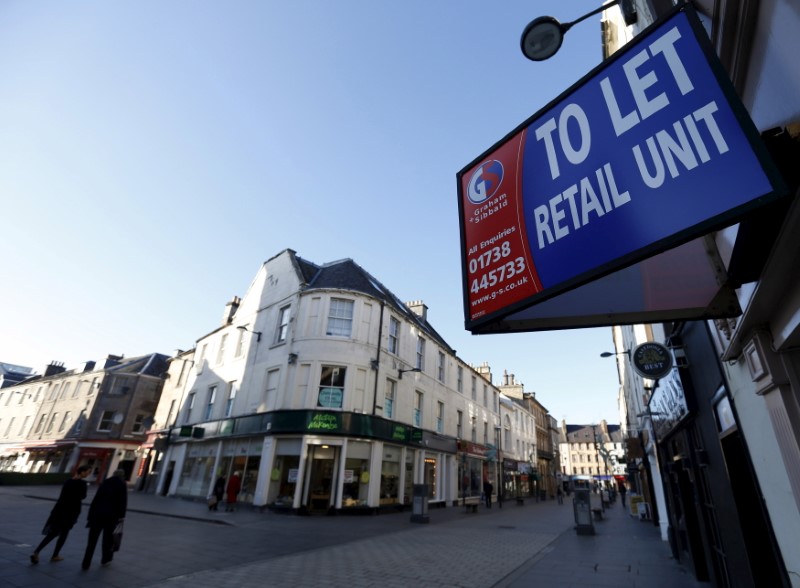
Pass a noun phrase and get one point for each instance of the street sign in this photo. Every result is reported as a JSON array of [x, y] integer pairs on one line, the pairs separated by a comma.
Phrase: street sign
[[649, 150]]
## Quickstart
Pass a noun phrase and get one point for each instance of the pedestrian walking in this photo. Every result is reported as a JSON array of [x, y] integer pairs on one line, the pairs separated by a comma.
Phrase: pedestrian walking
[[217, 493], [623, 491], [64, 515], [560, 495], [107, 510], [487, 492], [232, 491]]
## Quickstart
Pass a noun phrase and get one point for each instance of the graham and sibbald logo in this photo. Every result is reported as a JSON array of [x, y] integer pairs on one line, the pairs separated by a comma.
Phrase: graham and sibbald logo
[[485, 181]]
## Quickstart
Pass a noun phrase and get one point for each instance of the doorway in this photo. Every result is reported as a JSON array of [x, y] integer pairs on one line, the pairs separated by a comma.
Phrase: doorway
[[321, 478]]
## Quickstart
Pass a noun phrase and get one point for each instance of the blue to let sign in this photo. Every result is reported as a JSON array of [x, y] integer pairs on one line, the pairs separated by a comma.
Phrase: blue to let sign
[[649, 150]]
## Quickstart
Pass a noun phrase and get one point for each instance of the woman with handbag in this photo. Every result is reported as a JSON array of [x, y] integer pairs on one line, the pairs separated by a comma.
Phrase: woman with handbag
[[64, 514]]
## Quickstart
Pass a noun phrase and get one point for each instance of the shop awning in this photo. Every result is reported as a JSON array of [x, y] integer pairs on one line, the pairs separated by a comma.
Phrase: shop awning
[[50, 447]]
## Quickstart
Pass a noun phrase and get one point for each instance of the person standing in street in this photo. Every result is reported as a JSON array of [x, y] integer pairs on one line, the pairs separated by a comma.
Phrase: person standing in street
[[107, 509], [560, 494], [623, 491], [64, 515], [234, 485], [487, 492], [218, 492]]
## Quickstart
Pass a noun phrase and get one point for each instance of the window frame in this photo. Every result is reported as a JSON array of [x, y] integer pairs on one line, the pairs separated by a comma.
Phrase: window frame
[[417, 414], [389, 398], [393, 346], [212, 398], [420, 357], [337, 320], [282, 328], [338, 381], [107, 420], [223, 340], [137, 428], [232, 391]]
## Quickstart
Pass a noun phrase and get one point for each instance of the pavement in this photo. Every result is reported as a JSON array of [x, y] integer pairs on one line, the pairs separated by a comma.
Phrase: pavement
[[178, 543]]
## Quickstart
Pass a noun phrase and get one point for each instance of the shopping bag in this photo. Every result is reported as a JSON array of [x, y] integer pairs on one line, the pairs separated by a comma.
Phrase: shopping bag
[[212, 500], [117, 536]]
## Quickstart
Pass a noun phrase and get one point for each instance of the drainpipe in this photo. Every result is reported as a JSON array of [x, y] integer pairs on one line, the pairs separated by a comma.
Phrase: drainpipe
[[377, 361]]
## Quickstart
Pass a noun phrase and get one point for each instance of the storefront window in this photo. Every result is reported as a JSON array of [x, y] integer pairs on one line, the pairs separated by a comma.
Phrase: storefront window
[[355, 485], [196, 476], [408, 484], [390, 475], [431, 476], [471, 477], [242, 457], [284, 474]]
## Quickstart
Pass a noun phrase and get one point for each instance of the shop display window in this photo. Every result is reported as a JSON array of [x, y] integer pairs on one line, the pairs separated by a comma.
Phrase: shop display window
[[390, 475], [355, 484]]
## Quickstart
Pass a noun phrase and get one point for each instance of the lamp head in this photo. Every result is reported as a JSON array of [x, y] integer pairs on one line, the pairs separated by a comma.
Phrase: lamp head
[[542, 38]]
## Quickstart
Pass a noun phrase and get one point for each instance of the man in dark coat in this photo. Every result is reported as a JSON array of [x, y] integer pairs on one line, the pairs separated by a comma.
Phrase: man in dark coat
[[106, 511], [487, 492], [64, 514]]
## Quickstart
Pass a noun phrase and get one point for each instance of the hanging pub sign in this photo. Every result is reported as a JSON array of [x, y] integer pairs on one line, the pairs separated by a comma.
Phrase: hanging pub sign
[[668, 406], [648, 151], [651, 360]]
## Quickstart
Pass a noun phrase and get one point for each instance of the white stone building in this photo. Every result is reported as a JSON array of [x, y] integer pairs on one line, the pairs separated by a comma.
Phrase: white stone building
[[323, 392]]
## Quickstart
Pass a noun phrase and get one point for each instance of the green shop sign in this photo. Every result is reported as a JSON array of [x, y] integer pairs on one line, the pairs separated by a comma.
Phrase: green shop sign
[[308, 422]]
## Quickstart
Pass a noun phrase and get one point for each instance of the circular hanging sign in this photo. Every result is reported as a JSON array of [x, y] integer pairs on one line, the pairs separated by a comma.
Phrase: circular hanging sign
[[651, 360]]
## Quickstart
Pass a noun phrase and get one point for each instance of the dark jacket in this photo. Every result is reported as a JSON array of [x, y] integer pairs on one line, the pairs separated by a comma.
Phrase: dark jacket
[[68, 506], [219, 488], [110, 503]]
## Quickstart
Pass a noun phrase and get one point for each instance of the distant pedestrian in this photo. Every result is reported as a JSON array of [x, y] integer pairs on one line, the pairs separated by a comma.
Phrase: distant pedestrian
[[487, 492], [108, 508], [232, 491], [217, 493], [623, 491], [560, 495], [65, 514]]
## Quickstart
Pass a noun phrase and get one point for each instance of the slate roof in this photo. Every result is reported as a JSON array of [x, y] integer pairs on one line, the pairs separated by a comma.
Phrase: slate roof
[[345, 274], [154, 364], [585, 433]]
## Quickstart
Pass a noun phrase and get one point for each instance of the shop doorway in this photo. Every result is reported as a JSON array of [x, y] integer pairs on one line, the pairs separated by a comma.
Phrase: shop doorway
[[765, 562], [321, 478]]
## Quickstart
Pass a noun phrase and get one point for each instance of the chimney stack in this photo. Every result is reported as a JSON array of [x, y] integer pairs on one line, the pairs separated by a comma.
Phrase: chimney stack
[[55, 367], [418, 308]]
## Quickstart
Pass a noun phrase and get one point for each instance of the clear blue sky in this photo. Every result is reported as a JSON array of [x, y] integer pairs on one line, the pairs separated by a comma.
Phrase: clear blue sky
[[153, 154]]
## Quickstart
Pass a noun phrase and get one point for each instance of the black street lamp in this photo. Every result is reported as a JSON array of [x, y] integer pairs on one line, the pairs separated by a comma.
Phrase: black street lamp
[[400, 372], [613, 353], [256, 333], [543, 36]]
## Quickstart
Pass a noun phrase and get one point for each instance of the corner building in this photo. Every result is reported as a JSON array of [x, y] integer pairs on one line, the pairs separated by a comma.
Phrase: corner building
[[324, 393]]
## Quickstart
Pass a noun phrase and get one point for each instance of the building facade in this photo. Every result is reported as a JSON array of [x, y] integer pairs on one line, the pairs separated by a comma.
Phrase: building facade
[[324, 392], [592, 454], [730, 461], [94, 415]]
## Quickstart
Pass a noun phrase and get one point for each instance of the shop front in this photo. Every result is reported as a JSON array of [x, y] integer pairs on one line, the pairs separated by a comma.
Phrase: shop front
[[315, 461], [98, 459], [511, 479], [51, 458], [718, 525], [473, 469]]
